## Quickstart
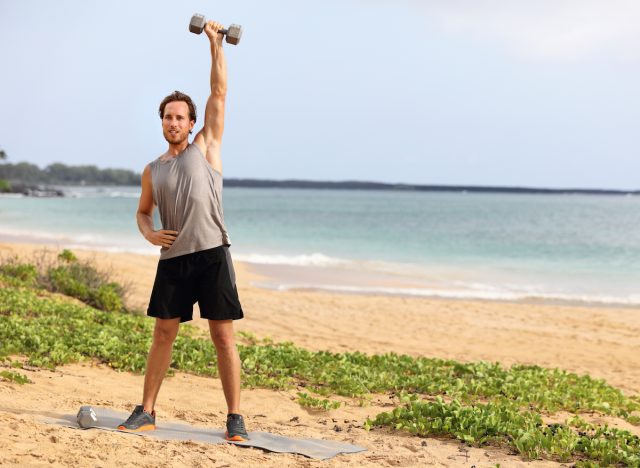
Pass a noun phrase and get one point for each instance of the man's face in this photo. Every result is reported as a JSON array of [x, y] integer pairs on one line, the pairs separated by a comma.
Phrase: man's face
[[175, 123]]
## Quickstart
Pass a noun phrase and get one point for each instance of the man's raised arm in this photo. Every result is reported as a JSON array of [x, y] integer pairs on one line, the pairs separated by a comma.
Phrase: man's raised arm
[[209, 138]]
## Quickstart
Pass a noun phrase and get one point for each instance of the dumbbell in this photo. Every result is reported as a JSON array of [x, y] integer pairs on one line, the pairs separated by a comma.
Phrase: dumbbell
[[233, 33], [86, 417]]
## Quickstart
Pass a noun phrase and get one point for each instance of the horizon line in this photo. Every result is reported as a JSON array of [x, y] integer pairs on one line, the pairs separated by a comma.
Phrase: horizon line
[[371, 185]]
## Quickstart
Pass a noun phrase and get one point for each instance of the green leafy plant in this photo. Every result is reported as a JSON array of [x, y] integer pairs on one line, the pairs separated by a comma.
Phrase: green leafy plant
[[22, 273], [507, 425], [5, 186], [68, 256], [14, 377], [68, 276], [307, 401]]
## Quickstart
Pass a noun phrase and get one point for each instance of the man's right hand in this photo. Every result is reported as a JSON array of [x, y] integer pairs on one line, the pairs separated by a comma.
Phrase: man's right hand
[[211, 29], [162, 237]]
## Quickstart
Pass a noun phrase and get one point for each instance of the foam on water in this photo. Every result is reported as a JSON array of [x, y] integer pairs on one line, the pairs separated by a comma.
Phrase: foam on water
[[30, 236], [491, 293], [313, 259], [101, 194], [83, 241]]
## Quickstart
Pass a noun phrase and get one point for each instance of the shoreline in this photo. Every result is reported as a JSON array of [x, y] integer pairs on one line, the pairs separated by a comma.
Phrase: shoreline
[[533, 301], [322, 278]]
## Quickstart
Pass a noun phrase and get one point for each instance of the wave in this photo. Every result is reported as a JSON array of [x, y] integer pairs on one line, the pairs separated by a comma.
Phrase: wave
[[314, 259], [102, 194], [52, 236], [493, 293], [124, 194], [319, 259], [81, 241]]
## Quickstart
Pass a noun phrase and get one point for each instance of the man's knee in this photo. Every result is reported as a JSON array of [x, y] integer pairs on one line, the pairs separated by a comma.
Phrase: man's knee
[[165, 331], [222, 335]]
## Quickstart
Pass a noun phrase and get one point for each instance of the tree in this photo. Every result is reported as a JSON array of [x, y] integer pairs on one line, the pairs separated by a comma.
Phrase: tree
[[5, 186]]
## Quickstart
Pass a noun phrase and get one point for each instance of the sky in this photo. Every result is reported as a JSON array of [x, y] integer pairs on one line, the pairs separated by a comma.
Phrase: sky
[[540, 93]]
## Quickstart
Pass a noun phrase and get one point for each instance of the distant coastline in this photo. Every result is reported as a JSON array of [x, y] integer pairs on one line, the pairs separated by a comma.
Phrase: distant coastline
[[361, 185], [29, 179]]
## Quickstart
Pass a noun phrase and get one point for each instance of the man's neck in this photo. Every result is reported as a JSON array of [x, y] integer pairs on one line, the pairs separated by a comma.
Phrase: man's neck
[[175, 150]]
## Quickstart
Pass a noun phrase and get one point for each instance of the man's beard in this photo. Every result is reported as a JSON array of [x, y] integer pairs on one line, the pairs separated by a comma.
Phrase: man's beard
[[175, 139]]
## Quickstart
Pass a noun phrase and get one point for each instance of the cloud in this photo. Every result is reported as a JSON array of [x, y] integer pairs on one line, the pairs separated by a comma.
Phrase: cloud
[[558, 30]]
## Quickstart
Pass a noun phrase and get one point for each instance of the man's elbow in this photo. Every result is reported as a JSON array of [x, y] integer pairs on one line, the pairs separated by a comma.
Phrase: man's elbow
[[218, 93], [141, 213]]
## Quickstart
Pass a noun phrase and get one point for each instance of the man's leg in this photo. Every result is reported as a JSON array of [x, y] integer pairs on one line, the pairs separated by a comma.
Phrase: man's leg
[[228, 361], [159, 358]]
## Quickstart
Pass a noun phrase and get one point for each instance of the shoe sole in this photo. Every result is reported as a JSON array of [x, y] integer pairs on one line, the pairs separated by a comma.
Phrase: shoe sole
[[148, 427], [235, 438]]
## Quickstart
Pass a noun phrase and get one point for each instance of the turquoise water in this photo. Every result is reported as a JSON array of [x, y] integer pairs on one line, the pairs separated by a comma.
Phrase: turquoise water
[[467, 245]]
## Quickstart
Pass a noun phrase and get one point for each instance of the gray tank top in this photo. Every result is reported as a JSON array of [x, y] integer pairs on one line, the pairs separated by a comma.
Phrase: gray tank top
[[188, 193]]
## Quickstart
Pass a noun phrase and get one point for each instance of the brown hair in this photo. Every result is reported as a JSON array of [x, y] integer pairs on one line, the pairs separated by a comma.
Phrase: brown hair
[[178, 96]]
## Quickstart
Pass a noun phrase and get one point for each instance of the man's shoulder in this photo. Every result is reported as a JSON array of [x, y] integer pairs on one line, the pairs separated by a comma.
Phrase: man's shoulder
[[149, 167], [154, 161]]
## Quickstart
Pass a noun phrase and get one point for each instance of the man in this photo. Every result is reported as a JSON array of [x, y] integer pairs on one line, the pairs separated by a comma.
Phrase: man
[[195, 264]]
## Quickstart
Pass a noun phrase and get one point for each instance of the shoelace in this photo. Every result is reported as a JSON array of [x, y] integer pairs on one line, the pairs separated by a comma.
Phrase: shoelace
[[134, 415], [237, 425]]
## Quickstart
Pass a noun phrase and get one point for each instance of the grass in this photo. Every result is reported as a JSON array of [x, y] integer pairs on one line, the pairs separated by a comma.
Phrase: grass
[[479, 403], [15, 377], [522, 431]]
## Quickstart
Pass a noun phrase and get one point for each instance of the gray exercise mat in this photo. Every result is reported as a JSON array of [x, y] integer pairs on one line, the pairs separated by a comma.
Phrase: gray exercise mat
[[109, 420]]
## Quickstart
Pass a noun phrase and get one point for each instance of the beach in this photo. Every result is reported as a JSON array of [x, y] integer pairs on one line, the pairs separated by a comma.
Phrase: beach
[[599, 340], [435, 238]]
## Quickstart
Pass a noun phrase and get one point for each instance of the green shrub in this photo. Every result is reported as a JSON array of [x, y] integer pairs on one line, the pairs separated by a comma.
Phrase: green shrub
[[5, 186], [68, 256], [69, 276], [24, 273], [83, 281], [307, 401], [68, 280], [107, 297], [15, 377]]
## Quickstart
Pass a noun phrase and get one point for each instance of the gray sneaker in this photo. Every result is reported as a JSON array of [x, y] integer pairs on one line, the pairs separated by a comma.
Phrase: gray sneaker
[[235, 428], [139, 420]]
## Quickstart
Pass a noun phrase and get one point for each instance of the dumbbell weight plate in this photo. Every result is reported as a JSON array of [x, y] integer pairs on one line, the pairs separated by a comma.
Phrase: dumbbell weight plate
[[197, 23], [234, 33], [86, 417]]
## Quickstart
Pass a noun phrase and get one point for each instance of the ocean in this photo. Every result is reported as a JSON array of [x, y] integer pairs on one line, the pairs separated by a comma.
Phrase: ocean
[[574, 248]]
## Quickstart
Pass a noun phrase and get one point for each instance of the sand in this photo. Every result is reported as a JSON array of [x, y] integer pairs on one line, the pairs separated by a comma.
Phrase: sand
[[601, 341]]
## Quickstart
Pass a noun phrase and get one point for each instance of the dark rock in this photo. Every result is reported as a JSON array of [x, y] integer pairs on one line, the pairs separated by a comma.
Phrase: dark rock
[[36, 190]]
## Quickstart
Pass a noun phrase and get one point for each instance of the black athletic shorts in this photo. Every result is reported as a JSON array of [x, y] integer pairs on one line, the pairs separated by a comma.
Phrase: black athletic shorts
[[206, 277]]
